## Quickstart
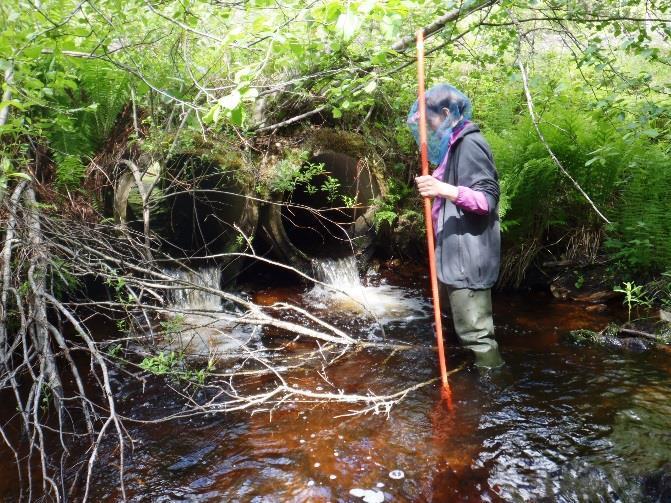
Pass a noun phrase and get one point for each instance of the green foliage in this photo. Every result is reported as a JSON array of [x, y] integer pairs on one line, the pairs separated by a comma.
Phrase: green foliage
[[174, 365], [330, 187], [627, 176], [70, 171], [642, 217], [583, 337], [294, 170], [664, 337], [46, 397], [7, 173], [630, 254], [163, 363], [114, 350], [634, 295], [350, 202], [62, 278], [173, 325], [198, 70], [664, 292], [390, 207]]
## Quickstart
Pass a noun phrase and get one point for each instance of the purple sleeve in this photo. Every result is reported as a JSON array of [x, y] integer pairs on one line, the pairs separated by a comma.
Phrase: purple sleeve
[[472, 200]]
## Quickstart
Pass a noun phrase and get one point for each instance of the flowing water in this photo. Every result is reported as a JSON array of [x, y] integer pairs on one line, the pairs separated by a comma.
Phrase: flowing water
[[195, 318], [342, 290], [557, 423]]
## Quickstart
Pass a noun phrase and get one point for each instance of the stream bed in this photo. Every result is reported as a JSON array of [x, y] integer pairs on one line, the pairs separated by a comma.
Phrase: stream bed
[[557, 423]]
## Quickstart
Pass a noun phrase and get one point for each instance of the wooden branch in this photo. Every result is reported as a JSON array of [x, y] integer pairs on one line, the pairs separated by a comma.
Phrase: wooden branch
[[453, 15], [292, 120], [7, 95], [639, 333], [113, 418], [534, 119], [6, 267]]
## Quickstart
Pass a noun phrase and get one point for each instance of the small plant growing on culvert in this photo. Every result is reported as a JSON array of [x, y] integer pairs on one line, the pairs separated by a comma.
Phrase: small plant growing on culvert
[[350, 202], [295, 170], [331, 186]]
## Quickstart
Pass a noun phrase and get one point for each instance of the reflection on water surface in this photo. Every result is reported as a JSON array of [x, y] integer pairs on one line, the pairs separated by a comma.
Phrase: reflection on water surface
[[558, 422]]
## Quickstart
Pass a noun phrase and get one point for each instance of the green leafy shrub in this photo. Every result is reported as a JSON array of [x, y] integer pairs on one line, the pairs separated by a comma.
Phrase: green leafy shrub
[[174, 365], [634, 295], [390, 207], [294, 170]]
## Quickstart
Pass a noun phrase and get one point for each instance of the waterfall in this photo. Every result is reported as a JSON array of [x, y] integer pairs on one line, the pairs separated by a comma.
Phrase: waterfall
[[202, 328], [342, 273], [194, 298]]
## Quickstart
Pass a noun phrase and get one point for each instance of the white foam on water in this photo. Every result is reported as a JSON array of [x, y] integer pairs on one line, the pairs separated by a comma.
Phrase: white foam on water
[[368, 495], [396, 474], [344, 291]]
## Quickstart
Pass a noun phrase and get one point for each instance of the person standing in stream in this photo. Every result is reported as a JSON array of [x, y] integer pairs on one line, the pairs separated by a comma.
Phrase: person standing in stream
[[465, 189]]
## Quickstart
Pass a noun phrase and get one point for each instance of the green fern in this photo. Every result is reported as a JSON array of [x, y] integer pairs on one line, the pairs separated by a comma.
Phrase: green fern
[[70, 171], [85, 117]]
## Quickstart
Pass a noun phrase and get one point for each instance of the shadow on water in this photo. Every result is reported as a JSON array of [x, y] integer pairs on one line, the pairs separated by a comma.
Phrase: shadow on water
[[557, 423]]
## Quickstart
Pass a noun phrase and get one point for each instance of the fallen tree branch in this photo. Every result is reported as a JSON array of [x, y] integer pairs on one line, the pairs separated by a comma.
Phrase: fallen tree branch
[[464, 10], [639, 333], [534, 119]]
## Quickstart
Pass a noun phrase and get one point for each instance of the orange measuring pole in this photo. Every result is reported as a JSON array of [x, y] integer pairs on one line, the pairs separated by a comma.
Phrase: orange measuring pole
[[423, 149]]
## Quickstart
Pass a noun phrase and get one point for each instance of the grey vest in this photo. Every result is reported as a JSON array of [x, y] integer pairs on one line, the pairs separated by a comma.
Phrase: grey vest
[[468, 246]]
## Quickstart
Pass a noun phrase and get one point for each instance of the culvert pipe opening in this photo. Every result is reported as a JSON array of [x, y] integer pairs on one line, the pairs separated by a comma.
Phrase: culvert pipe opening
[[198, 207], [331, 216]]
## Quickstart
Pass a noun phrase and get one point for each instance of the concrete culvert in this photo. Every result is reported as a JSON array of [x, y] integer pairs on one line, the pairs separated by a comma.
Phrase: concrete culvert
[[198, 205], [331, 215]]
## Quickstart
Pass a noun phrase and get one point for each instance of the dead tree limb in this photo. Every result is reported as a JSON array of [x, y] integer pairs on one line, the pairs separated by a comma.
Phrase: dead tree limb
[[534, 119], [7, 95], [464, 10]]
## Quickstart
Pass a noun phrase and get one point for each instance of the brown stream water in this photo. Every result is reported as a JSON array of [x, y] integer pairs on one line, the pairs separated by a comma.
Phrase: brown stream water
[[558, 423]]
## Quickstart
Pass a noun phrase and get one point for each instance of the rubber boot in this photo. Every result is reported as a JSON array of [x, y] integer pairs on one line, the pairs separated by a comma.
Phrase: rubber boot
[[473, 323]]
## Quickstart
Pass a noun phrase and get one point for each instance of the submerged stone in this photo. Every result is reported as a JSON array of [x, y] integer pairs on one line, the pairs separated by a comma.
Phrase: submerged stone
[[191, 460], [656, 486]]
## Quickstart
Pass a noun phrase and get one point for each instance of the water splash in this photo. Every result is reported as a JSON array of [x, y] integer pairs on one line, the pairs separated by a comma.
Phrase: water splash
[[342, 273], [343, 290]]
